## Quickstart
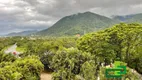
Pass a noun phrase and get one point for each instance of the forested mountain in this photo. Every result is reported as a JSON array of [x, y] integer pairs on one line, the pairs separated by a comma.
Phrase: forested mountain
[[23, 33], [78, 24], [130, 18]]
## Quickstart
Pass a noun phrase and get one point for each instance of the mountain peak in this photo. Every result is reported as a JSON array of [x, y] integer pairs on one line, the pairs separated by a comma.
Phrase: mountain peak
[[78, 24], [88, 12], [83, 14]]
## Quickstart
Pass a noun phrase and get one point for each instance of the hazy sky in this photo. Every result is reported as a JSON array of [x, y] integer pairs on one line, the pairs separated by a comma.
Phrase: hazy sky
[[20, 15]]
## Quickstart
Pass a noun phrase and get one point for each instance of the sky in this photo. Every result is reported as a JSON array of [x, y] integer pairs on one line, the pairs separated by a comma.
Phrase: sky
[[22, 15]]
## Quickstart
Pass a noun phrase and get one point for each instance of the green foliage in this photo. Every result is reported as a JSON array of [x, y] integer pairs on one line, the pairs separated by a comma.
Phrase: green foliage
[[68, 63], [88, 70], [6, 57], [121, 41], [5, 42], [97, 44], [46, 48], [31, 47], [129, 74], [27, 68], [138, 65]]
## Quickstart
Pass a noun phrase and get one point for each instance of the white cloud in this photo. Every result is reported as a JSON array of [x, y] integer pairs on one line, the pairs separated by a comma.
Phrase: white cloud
[[7, 1], [137, 6], [40, 14]]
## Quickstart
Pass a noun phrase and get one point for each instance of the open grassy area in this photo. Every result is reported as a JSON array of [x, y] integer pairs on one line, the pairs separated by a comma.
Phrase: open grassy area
[[20, 49]]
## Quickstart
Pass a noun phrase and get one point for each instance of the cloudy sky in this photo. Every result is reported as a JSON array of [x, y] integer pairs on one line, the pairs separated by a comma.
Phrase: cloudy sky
[[21, 15]]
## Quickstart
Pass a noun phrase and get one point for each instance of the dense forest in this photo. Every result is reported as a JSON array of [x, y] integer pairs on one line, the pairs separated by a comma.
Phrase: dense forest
[[74, 58]]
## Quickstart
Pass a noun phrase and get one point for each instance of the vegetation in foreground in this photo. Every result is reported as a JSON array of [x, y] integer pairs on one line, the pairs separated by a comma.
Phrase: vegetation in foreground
[[74, 58]]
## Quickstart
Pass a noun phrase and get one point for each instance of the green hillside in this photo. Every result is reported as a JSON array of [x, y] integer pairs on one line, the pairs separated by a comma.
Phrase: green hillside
[[78, 24], [130, 18], [136, 18], [23, 33]]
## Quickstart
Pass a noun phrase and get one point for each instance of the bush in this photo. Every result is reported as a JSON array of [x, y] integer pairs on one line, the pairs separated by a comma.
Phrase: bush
[[71, 62], [28, 68], [6, 57]]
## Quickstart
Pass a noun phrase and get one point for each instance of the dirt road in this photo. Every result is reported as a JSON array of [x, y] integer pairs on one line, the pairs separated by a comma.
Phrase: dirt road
[[46, 76]]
